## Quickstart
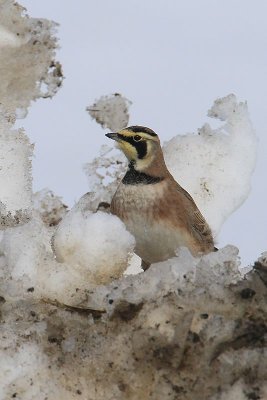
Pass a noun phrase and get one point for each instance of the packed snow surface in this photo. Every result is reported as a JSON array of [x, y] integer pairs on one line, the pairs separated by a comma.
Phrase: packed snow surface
[[130, 335]]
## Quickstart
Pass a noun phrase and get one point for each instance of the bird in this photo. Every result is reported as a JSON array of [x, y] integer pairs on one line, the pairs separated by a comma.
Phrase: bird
[[157, 211]]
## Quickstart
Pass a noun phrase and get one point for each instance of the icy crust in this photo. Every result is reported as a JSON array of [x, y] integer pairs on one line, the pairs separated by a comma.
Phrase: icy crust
[[212, 273], [183, 328], [15, 177], [111, 112], [23, 40], [216, 165]]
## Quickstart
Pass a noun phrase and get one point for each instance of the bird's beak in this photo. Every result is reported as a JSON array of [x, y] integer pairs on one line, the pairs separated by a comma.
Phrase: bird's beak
[[113, 136]]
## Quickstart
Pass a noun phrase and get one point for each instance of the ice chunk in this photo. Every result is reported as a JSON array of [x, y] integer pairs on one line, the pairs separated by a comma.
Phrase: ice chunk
[[212, 272], [215, 166], [219, 270], [97, 245], [49, 206], [111, 111]]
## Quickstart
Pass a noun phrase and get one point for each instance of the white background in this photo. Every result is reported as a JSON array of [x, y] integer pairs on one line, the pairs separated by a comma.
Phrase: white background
[[172, 59]]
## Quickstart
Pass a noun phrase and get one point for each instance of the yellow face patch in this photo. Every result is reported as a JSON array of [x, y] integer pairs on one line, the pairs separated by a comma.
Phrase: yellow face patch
[[129, 150]]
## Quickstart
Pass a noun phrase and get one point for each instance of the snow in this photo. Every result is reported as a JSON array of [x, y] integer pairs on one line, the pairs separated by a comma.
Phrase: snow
[[24, 250], [23, 40], [22, 75], [216, 165], [105, 171], [50, 207], [111, 111], [97, 245], [8, 38], [90, 248], [104, 174], [236, 392], [49, 351], [15, 175], [27, 361], [214, 272]]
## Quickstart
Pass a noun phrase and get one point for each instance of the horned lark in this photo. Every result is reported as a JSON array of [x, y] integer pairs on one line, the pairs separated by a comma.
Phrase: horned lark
[[159, 213]]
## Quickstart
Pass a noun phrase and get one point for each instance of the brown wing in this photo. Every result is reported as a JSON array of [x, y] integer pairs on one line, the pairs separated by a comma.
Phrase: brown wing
[[197, 223]]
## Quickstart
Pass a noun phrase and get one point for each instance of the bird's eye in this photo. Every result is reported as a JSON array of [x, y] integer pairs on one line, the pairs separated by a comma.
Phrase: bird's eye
[[137, 138]]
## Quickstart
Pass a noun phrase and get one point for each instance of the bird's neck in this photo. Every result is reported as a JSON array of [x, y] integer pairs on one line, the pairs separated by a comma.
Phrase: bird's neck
[[153, 165], [135, 177], [147, 171]]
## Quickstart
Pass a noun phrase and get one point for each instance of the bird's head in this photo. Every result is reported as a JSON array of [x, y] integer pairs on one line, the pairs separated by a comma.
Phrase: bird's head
[[140, 145]]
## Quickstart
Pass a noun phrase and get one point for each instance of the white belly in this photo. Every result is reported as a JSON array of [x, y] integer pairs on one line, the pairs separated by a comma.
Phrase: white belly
[[155, 240]]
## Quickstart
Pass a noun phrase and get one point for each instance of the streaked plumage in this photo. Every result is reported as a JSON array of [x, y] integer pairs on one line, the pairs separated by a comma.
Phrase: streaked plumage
[[160, 214]]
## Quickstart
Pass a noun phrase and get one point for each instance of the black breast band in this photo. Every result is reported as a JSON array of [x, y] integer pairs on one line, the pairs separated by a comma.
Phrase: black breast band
[[133, 177]]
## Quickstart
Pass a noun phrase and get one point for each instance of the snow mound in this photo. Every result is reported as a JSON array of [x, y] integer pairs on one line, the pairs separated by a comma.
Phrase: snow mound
[[216, 166], [96, 245], [111, 112], [91, 249], [199, 317]]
